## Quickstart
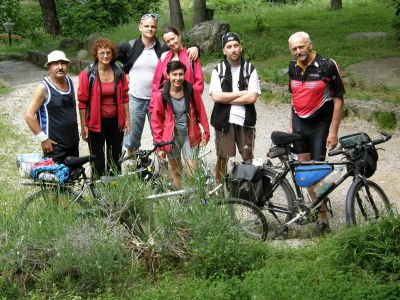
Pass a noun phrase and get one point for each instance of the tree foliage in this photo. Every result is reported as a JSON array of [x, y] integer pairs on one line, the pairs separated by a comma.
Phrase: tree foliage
[[86, 17], [9, 10], [83, 17]]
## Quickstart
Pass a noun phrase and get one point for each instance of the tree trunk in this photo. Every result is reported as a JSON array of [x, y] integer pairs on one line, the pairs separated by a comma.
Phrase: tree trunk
[[336, 4], [199, 11], [175, 13], [50, 18]]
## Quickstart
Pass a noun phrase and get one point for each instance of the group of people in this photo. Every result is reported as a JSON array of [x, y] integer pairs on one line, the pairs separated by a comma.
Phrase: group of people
[[165, 83]]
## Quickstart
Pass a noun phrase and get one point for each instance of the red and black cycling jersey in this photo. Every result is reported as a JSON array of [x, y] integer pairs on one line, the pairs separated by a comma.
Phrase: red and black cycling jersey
[[314, 86]]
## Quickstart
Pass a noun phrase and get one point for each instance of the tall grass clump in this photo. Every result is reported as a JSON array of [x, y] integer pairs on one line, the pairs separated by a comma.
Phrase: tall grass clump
[[55, 248], [374, 248]]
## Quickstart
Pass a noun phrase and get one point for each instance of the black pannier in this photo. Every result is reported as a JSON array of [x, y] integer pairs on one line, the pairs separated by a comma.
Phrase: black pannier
[[370, 161], [246, 182], [368, 154]]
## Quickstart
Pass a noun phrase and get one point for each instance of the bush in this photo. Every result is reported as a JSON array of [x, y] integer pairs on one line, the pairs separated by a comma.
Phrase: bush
[[385, 119], [374, 248], [54, 248]]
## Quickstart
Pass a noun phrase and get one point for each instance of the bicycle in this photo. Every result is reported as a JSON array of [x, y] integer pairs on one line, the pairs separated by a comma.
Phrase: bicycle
[[365, 200], [244, 214], [82, 195]]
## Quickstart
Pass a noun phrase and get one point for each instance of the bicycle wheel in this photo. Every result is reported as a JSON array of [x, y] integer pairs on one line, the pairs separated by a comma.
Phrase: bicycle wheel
[[366, 202], [279, 202], [247, 217], [53, 198]]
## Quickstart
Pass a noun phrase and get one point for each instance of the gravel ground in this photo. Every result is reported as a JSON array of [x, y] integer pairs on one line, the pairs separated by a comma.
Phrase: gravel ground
[[24, 76]]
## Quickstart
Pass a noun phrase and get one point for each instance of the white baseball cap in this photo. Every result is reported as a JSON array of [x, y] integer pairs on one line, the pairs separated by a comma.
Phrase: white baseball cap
[[56, 55]]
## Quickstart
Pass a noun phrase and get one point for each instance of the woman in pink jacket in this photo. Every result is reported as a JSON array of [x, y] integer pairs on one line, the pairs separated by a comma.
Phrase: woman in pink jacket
[[193, 74], [177, 112], [103, 106]]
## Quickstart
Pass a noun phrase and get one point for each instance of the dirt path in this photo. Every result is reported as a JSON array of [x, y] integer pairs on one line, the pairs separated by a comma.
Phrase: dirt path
[[24, 76]]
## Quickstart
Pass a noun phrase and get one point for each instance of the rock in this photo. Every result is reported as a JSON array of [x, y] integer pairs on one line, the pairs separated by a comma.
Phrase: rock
[[385, 71], [70, 43], [207, 35], [82, 54], [365, 35]]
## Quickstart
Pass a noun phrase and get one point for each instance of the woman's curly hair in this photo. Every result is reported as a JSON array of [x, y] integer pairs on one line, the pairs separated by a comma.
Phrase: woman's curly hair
[[103, 43]]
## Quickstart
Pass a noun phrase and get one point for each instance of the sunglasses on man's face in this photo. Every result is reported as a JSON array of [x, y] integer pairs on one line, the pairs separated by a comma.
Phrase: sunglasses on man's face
[[149, 16]]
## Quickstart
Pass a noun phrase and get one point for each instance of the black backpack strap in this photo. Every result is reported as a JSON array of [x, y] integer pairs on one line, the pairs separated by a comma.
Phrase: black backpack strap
[[221, 70], [132, 43], [91, 71], [248, 68]]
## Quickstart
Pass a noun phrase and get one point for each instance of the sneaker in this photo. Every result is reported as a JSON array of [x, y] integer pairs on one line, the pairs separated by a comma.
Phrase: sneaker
[[322, 226]]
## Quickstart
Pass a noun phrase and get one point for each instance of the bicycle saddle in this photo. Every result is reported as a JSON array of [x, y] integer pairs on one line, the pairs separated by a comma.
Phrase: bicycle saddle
[[283, 138], [74, 162]]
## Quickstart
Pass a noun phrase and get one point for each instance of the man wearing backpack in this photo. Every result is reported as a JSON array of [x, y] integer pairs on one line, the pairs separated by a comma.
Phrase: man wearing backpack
[[234, 88], [51, 115], [140, 58], [317, 102]]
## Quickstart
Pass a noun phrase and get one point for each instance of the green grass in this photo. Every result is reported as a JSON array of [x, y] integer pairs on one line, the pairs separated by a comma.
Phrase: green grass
[[5, 90]]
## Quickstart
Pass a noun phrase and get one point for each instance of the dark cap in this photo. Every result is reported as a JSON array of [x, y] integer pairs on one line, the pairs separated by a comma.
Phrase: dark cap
[[229, 37]]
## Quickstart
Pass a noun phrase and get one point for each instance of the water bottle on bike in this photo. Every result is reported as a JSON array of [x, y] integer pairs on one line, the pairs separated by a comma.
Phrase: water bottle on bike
[[326, 182]]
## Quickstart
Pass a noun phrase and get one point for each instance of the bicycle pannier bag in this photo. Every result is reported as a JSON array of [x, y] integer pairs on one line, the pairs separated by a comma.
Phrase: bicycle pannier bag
[[245, 182], [308, 175], [370, 161], [369, 155]]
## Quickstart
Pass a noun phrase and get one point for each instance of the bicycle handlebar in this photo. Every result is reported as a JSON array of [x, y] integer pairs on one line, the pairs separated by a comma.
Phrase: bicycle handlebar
[[160, 144], [336, 151], [340, 150], [385, 138], [144, 153]]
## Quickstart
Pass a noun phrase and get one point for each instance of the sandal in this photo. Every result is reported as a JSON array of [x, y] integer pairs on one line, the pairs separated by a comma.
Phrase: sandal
[[322, 226]]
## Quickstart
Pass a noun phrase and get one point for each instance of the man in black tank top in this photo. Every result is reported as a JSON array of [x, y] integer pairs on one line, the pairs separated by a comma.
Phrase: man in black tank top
[[51, 114]]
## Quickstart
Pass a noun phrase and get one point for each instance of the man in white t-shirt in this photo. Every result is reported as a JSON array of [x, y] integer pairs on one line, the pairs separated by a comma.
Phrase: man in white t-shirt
[[234, 89]]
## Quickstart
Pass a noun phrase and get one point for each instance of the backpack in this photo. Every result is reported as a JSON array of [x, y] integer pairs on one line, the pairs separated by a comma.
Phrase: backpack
[[245, 182], [247, 69], [92, 73]]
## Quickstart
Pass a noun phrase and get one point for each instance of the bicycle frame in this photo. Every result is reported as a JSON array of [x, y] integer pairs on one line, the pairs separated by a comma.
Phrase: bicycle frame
[[289, 166]]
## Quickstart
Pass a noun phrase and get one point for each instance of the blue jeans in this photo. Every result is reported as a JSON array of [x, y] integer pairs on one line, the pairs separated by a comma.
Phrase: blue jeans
[[138, 109]]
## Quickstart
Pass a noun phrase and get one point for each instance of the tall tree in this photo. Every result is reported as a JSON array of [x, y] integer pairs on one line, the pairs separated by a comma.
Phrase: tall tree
[[50, 18], [175, 14], [199, 11], [336, 4]]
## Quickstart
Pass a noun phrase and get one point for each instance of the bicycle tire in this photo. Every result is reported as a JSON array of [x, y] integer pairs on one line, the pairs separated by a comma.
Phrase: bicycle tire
[[52, 198], [363, 208], [278, 208], [247, 216]]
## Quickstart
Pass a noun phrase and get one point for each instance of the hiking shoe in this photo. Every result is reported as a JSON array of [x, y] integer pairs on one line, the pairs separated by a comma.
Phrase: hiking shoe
[[322, 227]]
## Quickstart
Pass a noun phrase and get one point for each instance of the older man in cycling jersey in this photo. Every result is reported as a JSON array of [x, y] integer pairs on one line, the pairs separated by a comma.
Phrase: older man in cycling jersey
[[317, 102]]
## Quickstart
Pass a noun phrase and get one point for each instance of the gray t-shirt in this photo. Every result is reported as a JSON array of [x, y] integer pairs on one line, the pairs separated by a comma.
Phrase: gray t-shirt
[[179, 108]]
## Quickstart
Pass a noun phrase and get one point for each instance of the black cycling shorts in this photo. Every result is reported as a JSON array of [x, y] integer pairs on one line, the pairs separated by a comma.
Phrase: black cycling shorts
[[314, 134]]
